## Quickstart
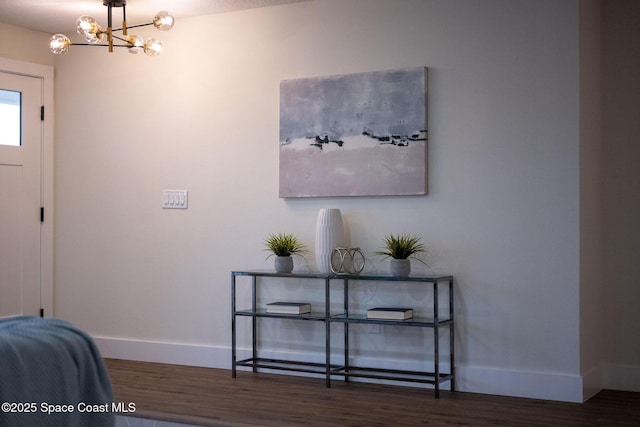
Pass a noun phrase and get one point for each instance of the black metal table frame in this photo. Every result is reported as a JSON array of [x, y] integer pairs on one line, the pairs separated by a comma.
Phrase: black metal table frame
[[345, 370]]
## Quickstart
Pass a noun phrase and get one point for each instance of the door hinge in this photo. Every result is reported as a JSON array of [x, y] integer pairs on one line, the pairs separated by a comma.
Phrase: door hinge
[[42, 312], [41, 214], [42, 113]]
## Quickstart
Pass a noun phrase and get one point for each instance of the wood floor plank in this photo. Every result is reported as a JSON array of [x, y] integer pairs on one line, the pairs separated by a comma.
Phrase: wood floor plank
[[210, 397]]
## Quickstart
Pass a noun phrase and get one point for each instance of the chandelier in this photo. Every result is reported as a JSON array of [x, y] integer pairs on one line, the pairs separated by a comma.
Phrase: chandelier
[[88, 28]]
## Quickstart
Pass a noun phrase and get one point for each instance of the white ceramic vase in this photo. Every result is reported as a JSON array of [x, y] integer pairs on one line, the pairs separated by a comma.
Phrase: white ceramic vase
[[329, 235]]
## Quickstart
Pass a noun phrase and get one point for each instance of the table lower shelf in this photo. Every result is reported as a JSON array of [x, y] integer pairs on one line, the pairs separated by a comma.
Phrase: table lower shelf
[[350, 371], [287, 365], [392, 375]]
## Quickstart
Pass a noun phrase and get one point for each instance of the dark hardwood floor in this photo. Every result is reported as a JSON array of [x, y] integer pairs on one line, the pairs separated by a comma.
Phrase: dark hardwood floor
[[210, 397]]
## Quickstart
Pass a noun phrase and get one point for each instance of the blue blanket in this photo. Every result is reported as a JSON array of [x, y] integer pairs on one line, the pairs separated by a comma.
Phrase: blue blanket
[[51, 374]]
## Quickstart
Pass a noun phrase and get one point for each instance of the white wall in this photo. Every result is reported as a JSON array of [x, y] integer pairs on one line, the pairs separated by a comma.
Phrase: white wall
[[25, 45], [503, 213], [621, 183], [592, 329]]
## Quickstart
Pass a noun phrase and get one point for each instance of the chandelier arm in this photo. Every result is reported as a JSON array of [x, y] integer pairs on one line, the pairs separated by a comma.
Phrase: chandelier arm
[[98, 45], [109, 27], [119, 38], [124, 19], [133, 26]]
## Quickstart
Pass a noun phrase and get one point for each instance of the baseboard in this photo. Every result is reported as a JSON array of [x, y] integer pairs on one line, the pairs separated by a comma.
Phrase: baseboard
[[622, 377], [537, 385], [592, 382], [162, 352], [533, 385]]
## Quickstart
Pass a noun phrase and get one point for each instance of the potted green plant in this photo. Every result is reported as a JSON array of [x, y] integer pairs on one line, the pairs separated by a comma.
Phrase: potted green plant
[[283, 246], [401, 248]]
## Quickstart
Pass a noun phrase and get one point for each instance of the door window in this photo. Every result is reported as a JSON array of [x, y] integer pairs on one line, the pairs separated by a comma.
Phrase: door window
[[10, 117]]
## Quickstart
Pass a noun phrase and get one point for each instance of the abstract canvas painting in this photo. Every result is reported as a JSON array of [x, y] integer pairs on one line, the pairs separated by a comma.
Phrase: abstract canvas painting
[[359, 134]]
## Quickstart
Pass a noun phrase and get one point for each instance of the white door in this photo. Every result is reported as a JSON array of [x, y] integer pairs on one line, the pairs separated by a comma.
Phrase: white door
[[20, 194]]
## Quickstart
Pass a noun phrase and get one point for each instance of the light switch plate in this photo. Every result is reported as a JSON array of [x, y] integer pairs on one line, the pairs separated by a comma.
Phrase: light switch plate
[[175, 199]]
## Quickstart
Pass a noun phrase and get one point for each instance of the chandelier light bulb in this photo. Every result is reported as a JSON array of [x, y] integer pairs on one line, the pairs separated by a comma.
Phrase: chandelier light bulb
[[163, 21], [96, 37], [135, 44], [59, 44], [84, 24], [88, 28], [153, 47]]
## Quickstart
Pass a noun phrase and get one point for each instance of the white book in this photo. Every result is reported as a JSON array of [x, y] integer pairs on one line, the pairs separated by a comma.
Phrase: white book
[[390, 313], [285, 307]]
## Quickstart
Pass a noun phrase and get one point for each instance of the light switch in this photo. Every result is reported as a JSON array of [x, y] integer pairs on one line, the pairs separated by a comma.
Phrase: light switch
[[174, 199]]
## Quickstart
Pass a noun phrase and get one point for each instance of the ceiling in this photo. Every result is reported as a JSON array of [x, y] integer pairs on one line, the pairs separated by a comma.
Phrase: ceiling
[[55, 16]]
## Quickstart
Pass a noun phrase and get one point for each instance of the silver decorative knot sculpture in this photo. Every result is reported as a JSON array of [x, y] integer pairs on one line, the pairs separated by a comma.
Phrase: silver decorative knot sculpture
[[347, 260]]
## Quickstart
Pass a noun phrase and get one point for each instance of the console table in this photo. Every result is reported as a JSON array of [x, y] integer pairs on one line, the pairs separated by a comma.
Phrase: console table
[[345, 317]]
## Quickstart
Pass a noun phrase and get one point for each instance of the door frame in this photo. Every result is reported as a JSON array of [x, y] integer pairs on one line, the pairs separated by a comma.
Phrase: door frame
[[45, 74]]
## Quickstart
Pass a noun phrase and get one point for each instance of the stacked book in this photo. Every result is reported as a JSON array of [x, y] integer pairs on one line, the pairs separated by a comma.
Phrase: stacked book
[[390, 313], [285, 307]]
